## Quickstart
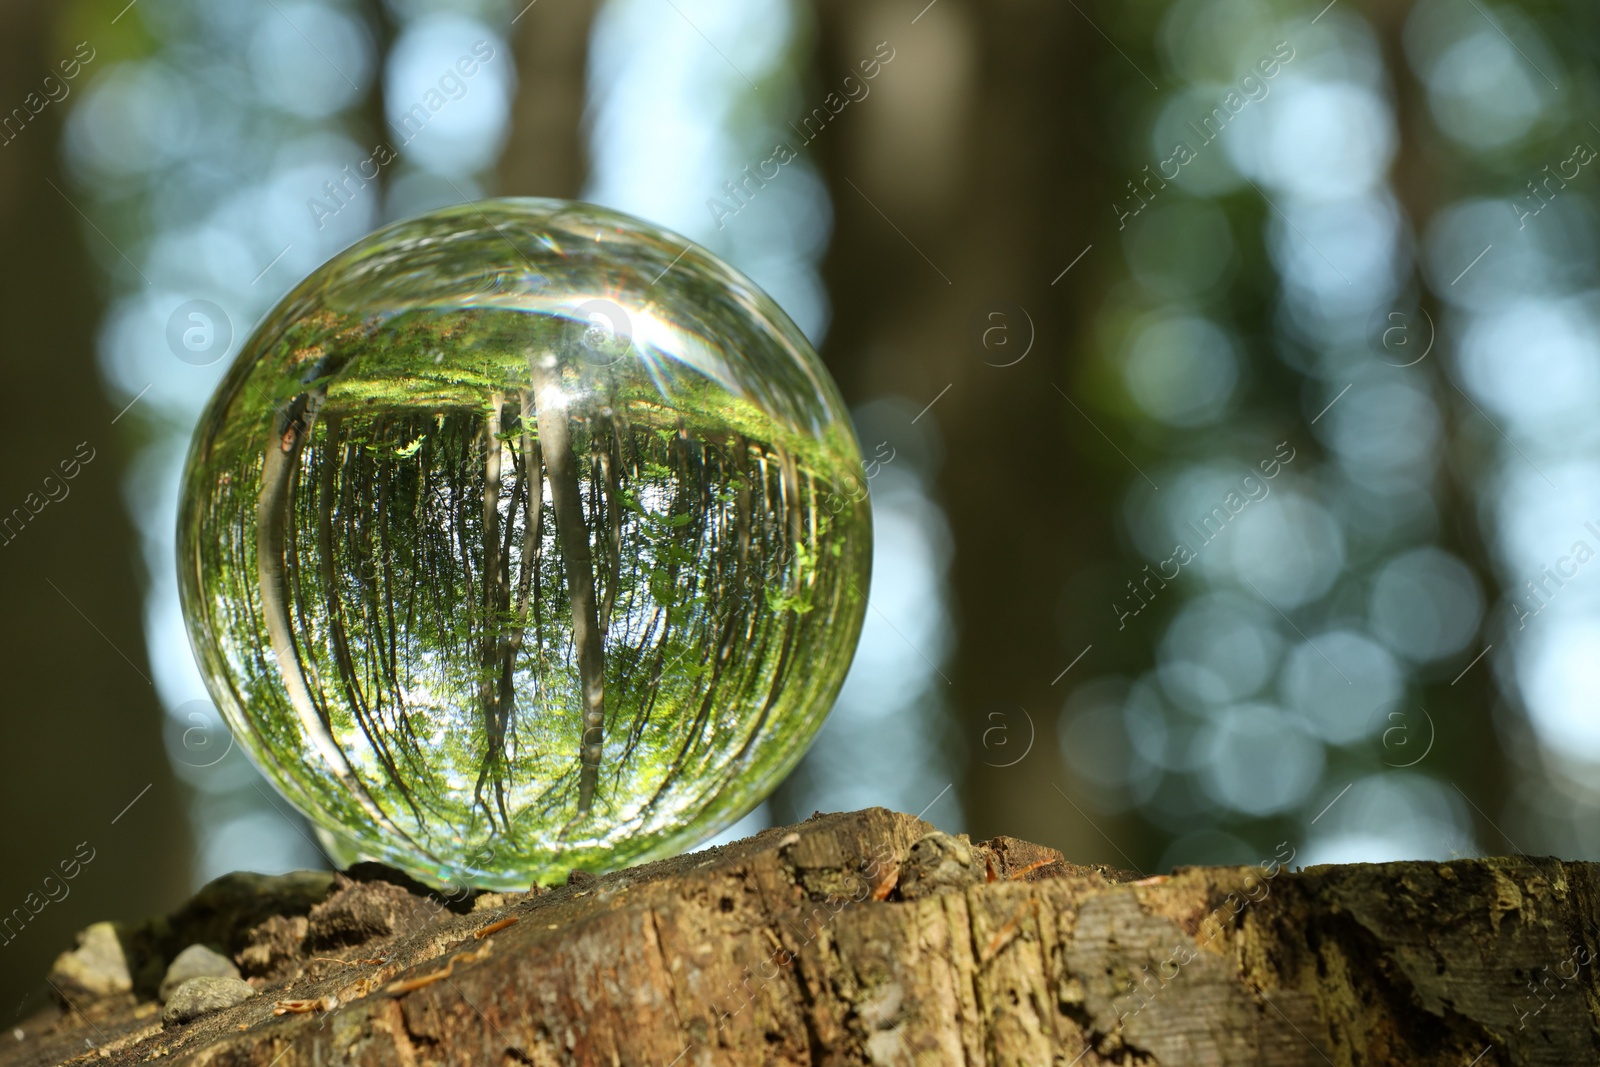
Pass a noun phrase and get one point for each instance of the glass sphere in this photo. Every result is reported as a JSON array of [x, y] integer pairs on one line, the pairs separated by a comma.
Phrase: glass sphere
[[524, 536]]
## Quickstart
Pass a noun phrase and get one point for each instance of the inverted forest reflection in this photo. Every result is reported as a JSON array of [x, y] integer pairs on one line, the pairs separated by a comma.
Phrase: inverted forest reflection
[[488, 589]]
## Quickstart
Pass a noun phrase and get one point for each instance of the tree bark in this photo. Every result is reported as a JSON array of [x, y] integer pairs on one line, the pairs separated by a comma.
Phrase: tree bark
[[868, 937]]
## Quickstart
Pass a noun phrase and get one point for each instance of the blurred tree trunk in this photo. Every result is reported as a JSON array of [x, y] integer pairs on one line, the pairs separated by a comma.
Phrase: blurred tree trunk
[[1427, 175], [83, 728], [374, 108], [974, 145], [545, 155]]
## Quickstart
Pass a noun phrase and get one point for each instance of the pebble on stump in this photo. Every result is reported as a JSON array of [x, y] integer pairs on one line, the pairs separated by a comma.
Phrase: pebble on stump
[[96, 968], [196, 961], [202, 996]]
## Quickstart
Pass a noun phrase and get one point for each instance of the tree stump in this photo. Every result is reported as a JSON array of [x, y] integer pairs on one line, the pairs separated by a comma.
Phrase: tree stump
[[869, 937]]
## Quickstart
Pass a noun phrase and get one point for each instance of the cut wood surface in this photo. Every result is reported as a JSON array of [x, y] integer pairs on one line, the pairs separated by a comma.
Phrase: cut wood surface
[[867, 937]]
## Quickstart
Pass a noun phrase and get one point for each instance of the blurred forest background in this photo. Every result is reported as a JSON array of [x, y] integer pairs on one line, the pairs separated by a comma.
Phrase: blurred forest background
[[1230, 368]]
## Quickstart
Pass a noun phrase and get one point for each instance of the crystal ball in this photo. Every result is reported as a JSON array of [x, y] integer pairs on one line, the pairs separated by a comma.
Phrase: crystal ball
[[524, 536]]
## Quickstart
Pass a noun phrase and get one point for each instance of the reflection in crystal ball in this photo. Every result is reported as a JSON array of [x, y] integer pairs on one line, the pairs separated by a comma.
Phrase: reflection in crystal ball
[[524, 536]]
